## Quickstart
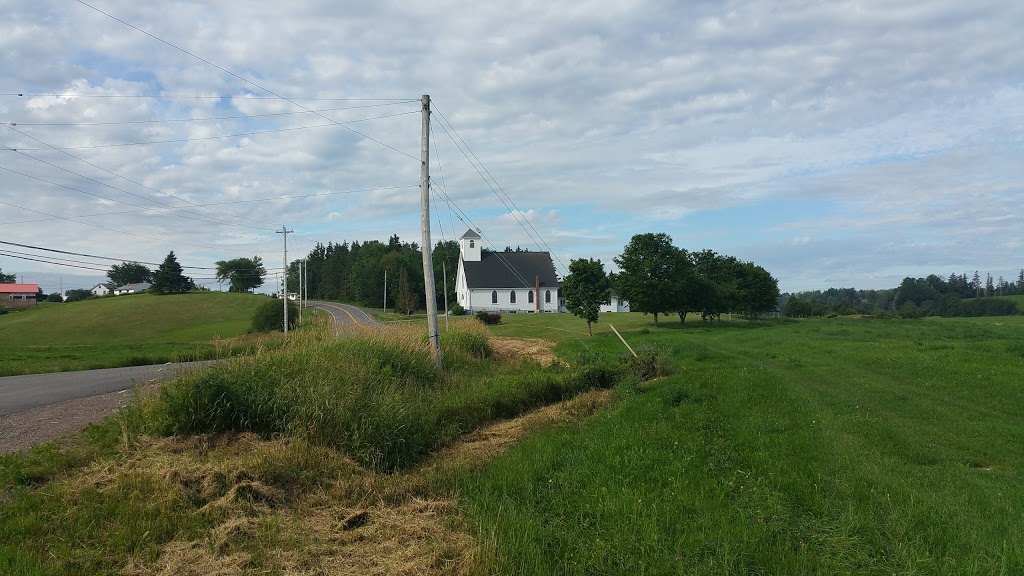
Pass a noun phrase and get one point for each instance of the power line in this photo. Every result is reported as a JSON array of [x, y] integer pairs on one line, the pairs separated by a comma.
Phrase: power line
[[112, 173], [250, 82], [91, 256], [219, 137], [193, 97], [239, 117], [112, 229], [268, 199]]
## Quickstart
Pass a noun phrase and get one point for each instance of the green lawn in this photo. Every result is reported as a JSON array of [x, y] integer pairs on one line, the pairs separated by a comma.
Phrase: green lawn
[[849, 446], [121, 331]]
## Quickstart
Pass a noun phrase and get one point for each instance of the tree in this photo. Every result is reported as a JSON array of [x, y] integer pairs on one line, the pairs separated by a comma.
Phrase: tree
[[168, 278], [645, 279], [129, 273], [77, 295], [407, 299], [797, 308], [243, 274], [55, 297], [585, 289], [757, 290], [8, 278]]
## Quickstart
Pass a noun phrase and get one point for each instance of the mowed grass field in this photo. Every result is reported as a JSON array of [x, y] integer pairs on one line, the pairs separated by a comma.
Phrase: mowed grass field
[[842, 446], [122, 331]]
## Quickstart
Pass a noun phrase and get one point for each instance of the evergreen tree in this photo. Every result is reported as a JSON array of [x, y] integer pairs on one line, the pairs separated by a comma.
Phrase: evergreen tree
[[169, 279]]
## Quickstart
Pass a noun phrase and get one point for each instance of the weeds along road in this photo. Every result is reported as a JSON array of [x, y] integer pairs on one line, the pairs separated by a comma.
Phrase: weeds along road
[[345, 314], [21, 393]]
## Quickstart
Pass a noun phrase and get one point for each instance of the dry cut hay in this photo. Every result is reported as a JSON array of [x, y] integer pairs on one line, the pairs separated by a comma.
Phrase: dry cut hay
[[532, 348]]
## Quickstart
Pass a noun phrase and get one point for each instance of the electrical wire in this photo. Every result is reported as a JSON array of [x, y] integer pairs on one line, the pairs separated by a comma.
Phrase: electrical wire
[[192, 97], [173, 120], [247, 81], [219, 137], [94, 256]]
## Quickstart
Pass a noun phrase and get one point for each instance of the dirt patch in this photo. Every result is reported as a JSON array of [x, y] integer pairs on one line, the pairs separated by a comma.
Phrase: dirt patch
[[516, 348], [485, 444]]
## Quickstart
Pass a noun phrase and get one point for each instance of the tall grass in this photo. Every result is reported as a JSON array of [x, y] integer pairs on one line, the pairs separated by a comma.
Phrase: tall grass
[[373, 394]]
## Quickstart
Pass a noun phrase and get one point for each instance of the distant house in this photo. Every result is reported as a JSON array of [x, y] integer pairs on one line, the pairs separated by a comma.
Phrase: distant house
[[615, 304], [132, 288], [504, 281], [102, 289], [18, 295]]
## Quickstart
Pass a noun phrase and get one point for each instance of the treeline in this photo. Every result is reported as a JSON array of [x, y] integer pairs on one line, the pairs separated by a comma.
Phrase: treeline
[[657, 277], [957, 295], [355, 272]]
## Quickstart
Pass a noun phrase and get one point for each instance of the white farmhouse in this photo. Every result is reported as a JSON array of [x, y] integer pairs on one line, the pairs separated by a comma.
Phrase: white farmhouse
[[504, 281], [615, 304], [102, 289]]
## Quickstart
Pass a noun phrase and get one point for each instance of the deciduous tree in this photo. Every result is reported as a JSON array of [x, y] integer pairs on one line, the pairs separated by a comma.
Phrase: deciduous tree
[[586, 288], [129, 273], [645, 279], [243, 274]]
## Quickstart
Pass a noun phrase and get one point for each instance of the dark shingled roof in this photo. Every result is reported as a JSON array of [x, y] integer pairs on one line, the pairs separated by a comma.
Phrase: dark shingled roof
[[470, 234], [493, 270]]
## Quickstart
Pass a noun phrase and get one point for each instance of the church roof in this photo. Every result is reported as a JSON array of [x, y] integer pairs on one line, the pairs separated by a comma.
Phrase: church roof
[[510, 270], [470, 234]]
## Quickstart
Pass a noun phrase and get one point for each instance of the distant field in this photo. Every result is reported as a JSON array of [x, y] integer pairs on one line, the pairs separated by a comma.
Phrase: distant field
[[844, 446], [122, 331]]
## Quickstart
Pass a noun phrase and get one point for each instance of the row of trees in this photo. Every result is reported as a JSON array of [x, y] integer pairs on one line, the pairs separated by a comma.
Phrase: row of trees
[[929, 296], [656, 277], [354, 272]]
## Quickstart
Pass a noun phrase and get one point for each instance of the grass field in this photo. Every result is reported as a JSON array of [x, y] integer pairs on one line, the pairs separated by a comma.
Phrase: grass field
[[826, 446], [854, 446], [122, 331]]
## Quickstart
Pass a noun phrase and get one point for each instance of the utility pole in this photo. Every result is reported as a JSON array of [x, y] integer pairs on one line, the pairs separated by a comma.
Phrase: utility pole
[[385, 291], [444, 272], [284, 292], [300, 292], [428, 263]]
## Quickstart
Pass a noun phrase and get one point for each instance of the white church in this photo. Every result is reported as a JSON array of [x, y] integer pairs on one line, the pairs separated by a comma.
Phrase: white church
[[504, 281]]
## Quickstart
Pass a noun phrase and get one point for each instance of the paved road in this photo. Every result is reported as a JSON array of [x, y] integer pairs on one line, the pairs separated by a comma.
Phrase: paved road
[[20, 393], [345, 314]]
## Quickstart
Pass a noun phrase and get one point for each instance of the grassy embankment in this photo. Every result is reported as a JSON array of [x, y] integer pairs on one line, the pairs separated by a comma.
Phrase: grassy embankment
[[124, 331], [279, 461], [849, 446]]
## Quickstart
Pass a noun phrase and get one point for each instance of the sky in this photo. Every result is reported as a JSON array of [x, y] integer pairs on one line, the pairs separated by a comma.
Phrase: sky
[[836, 144]]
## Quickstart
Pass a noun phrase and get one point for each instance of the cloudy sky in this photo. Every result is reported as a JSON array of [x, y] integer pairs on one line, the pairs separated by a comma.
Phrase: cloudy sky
[[834, 143]]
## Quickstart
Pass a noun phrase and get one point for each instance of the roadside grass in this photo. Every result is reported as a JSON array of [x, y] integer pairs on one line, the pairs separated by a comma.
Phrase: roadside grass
[[125, 331], [851, 446], [264, 462]]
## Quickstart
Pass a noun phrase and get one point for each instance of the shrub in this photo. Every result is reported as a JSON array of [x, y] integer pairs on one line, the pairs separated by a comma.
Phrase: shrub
[[456, 310], [488, 318], [270, 317], [55, 297]]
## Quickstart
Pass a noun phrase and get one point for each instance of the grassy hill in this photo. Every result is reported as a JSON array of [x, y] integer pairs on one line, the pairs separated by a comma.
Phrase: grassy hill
[[122, 331]]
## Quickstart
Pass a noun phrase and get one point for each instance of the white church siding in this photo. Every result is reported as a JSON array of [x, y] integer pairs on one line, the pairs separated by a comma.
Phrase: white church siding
[[497, 275]]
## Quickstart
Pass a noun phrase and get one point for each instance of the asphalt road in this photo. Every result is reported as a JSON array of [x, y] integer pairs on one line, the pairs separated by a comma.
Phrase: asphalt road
[[345, 314], [20, 393]]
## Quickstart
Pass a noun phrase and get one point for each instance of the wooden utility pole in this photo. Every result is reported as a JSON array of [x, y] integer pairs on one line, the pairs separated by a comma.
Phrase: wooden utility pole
[[300, 292], [444, 271], [284, 290], [428, 263]]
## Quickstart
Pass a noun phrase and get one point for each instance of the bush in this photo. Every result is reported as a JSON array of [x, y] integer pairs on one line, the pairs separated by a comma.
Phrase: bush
[[270, 317], [456, 310], [488, 318]]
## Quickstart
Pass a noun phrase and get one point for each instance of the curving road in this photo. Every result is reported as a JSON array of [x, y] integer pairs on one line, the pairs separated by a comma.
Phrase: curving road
[[344, 313], [21, 393]]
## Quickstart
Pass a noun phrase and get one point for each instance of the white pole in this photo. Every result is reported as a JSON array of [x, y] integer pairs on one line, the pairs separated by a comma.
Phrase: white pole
[[428, 264]]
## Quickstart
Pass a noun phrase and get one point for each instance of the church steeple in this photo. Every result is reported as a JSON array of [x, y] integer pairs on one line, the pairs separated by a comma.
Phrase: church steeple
[[469, 246]]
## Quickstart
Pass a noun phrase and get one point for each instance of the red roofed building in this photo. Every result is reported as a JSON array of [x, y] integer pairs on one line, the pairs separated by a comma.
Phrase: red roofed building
[[18, 295]]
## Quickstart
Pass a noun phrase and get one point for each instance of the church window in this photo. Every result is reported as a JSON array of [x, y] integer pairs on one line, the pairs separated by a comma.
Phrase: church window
[[530, 298], [472, 244], [547, 296], [512, 297], [494, 297]]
